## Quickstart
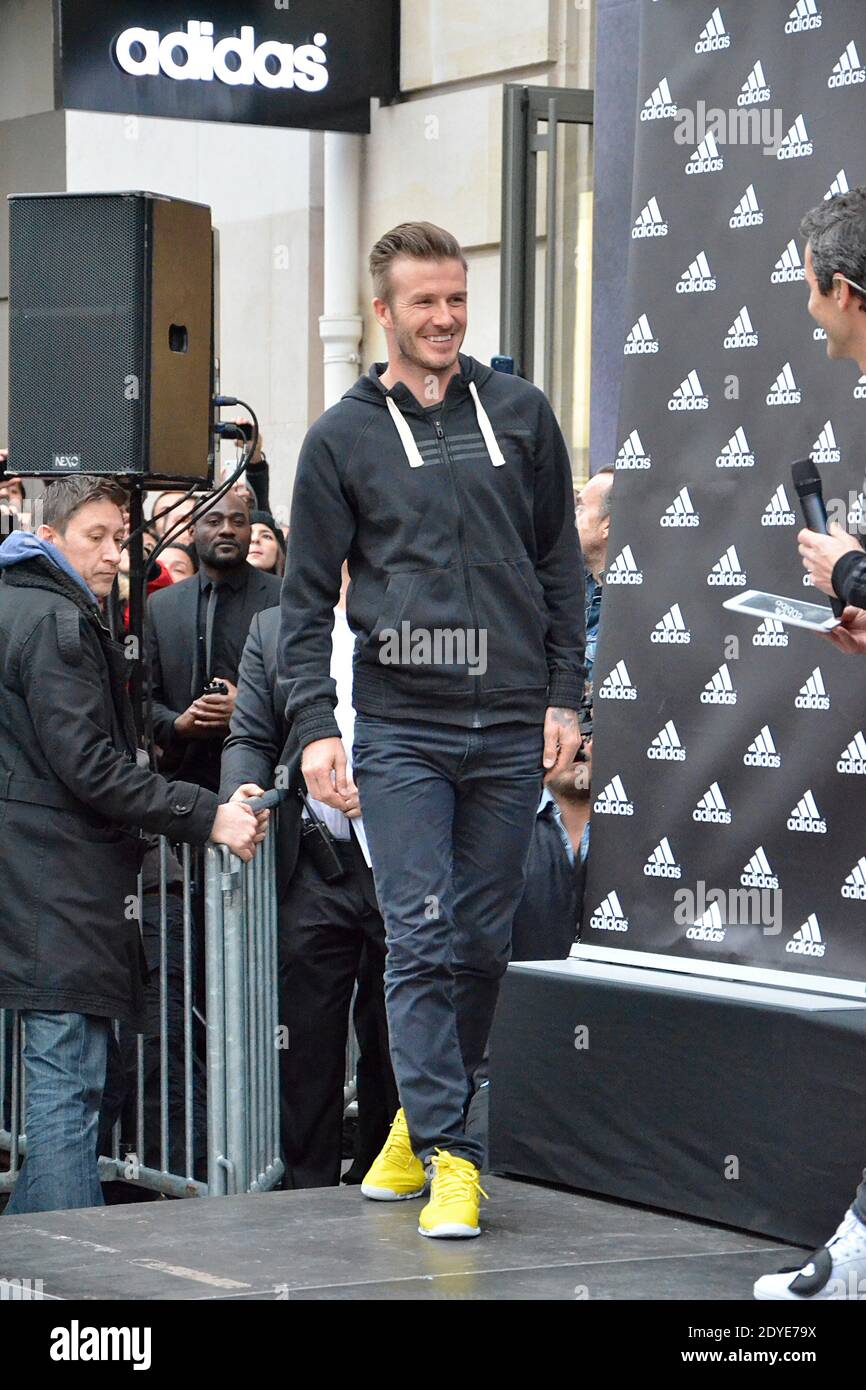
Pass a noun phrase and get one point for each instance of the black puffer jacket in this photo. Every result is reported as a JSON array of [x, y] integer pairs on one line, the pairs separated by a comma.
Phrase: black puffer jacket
[[72, 799]]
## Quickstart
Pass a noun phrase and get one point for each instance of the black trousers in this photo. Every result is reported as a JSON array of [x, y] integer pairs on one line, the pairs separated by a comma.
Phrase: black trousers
[[331, 935]]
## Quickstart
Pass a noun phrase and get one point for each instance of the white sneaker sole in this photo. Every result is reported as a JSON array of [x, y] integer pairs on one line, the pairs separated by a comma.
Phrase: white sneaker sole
[[385, 1194], [450, 1231]]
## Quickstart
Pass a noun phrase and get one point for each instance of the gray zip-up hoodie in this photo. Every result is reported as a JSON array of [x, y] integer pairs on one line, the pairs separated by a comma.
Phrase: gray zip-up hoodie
[[458, 524]]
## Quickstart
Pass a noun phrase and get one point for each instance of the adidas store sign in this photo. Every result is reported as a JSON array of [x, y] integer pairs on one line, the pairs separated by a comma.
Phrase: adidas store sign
[[804, 16], [698, 279], [659, 105], [671, 629], [624, 569], [726, 572], [825, 449], [796, 144], [666, 746], [719, 690], [681, 512], [757, 873], [708, 927], [741, 333], [141, 53], [649, 223], [855, 884], [778, 510], [713, 36], [849, 70], [736, 453], [706, 159], [761, 752], [613, 800], [712, 809], [807, 941], [617, 685], [789, 268], [640, 338], [853, 760], [770, 633], [747, 213], [784, 390], [608, 916], [632, 455], [755, 88], [689, 395], [661, 863], [806, 817], [813, 695]]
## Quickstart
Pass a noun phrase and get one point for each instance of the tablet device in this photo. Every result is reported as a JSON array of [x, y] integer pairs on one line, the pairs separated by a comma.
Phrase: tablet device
[[793, 612]]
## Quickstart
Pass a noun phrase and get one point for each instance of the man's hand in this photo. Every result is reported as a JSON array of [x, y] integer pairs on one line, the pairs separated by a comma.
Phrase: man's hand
[[850, 636], [248, 791], [260, 447], [323, 765], [208, 716], [820, 553], [235, 826], [562, 739]]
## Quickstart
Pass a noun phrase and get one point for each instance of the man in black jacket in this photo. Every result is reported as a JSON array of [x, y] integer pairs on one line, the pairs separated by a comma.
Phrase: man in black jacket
[[72, 796], [448, 487]]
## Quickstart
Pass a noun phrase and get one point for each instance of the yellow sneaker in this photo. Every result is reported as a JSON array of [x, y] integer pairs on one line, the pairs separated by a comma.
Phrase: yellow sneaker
[[454, 1192], [396, 1173]]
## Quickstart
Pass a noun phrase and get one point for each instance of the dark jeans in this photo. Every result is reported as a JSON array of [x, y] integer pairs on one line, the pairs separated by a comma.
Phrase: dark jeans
[[449, 813], [331, 935]]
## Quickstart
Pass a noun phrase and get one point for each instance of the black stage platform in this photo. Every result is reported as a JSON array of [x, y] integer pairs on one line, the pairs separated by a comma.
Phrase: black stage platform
[[329, 1244]]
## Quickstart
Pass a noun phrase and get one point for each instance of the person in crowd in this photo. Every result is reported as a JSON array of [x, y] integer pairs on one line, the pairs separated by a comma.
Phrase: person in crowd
[[267, 544], [180, 561], [331, 930], [592, 512], [12, 501], [74, 797], [448, 486], [196, 633], [170, 508], [835, 268]]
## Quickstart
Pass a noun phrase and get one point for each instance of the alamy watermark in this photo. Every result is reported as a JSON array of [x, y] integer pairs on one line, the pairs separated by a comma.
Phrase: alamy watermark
[[436, 646], [736, 126], [709, 912]]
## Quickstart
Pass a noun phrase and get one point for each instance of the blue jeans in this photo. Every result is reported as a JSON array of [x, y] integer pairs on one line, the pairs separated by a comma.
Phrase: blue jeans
[[64, 1065], [449, 813]]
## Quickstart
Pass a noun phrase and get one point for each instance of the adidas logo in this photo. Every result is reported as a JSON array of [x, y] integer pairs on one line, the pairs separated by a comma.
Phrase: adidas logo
[[741, 333], [806, 817], [666, 746], [796, 144], [617, 685], [860, 389], [709, 926], [698, 279], [789, 267], [726, 572], [689, 395], [825, 449], [659, 105], [853, 760], [623, 570], [813, 695], [736, 453], [706, 158], [757, 873], [807, 941], [681, 511], [720, 689], [632, 454], [671, 629], [784, 390], [819, 335], [640, 338], [712, 808], [613, 800], [608, 916], [713, 36], [805, 15], [747, 213], [755, 88], [771, 633], [857, 515], [649, 222], [661, 863], [855, 884], [839, 185], [778, 510], [761, 752], [849, 70]]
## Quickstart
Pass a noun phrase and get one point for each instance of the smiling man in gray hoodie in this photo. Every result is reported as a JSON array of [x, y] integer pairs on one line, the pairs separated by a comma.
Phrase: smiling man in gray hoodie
[[448, 488]]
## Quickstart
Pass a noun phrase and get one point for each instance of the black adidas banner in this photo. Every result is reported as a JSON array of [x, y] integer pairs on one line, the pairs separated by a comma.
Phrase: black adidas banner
[[729, 770]]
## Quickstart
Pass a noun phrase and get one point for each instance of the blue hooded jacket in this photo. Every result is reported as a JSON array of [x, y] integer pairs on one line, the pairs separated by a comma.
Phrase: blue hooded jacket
[[23, 545]]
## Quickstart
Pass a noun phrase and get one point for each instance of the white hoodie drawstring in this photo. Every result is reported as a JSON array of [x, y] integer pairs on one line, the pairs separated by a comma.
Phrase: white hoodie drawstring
[[407, 439]]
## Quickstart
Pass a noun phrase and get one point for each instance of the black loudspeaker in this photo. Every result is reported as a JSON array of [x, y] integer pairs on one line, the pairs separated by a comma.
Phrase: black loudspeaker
[[111, 337]]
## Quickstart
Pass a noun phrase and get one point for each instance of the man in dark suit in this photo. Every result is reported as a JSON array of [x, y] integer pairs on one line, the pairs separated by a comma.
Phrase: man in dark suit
[[197, 632], [331, 933]]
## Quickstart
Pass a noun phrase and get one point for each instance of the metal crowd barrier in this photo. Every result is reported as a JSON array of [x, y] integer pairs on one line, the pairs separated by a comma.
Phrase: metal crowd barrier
[[235, 1046]]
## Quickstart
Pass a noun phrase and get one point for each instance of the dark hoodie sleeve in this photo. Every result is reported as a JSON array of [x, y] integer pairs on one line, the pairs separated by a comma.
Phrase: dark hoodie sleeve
[[849, 578], [559, 564], [321, 530]]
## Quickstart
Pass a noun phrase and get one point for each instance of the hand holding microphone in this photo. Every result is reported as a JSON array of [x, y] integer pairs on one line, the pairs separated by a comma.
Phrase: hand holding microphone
[[820, 547]]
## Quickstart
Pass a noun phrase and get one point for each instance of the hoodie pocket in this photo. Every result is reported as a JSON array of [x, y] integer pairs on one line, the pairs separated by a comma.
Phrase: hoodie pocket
[[424, 637], [513, 620]]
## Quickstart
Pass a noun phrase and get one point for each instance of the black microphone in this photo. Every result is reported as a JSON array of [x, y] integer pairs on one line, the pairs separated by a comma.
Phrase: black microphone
[[807, 482]]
